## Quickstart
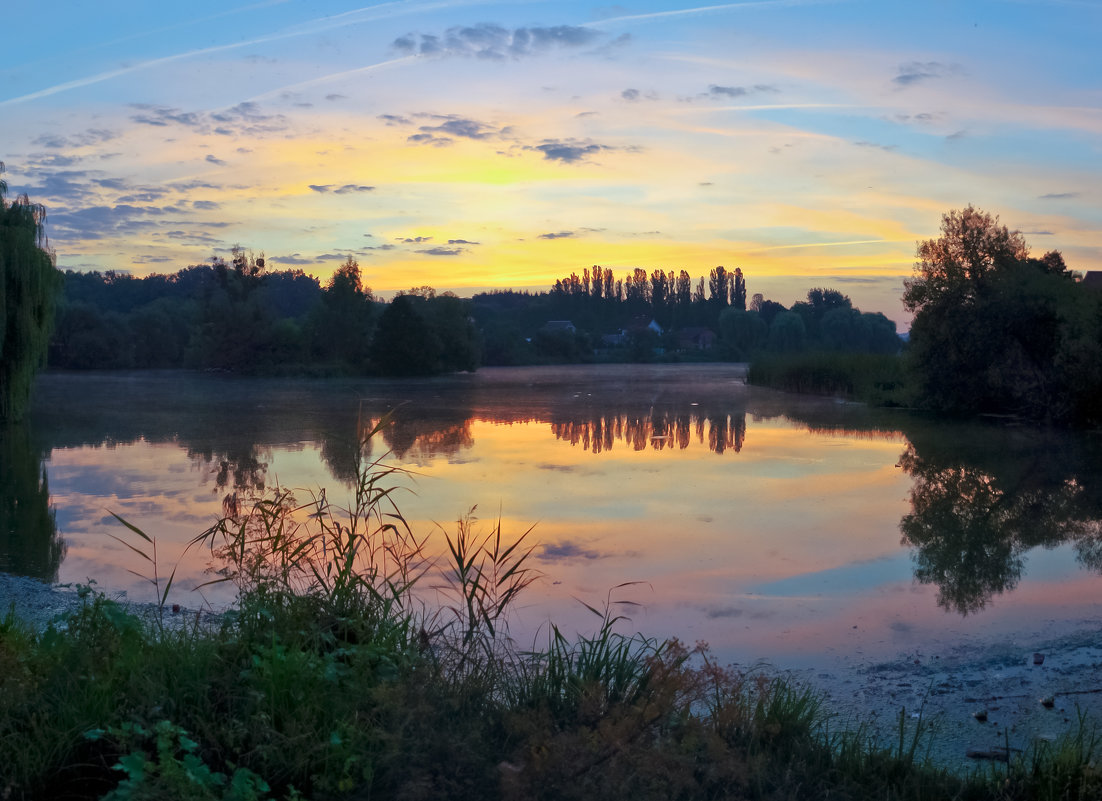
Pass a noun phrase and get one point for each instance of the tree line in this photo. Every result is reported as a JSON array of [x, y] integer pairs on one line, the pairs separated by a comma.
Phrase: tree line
[[233, 314]]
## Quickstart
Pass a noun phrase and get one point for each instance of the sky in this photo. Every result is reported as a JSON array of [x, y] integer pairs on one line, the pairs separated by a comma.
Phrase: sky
[[469, 145]]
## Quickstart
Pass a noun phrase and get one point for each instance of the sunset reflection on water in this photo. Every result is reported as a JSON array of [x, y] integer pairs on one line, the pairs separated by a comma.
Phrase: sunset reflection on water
[[767, 525]]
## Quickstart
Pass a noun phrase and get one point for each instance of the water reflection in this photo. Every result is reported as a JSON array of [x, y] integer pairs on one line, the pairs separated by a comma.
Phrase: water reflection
[[657, 430], [981, 496], [29, 542], [980, 502]]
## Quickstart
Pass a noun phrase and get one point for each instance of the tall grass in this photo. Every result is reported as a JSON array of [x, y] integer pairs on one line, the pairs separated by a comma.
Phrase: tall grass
[[872, 378], [333, 677]]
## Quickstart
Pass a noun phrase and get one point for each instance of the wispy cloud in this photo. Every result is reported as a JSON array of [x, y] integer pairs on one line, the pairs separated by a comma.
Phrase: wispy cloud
[[489, 41], [918, 71]]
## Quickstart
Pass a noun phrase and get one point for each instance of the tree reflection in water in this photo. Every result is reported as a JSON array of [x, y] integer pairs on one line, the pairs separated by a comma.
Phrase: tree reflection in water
[[978, 508], [29, 542], [657, 429]]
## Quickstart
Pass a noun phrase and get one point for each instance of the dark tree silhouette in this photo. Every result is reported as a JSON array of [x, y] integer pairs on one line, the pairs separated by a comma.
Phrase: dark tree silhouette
[[28, 286], [998, 332]]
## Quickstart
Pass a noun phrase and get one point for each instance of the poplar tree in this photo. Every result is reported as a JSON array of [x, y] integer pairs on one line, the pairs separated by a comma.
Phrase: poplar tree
[[29, 283]]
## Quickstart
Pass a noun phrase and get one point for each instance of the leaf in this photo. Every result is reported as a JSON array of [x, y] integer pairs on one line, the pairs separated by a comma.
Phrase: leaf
[[140, 553], [132, 527]]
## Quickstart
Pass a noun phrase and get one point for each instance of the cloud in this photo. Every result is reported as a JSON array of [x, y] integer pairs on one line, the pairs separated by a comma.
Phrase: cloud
[[567, 550], [243, 119], [1059, 196], [334, 96], [92, 136], [631, 95], [395, 119], [441, 251], [204, 205], [295, 258], [923, 118], [162, 116], [451, 126], [98, 222], [429, 139], [558, 235], [918, 71], [727, 92], [462, 242], [568, 150], [489, 41], [459, 126], [885, 148], [340, 190], [413, 240], [718, 612], [215, 160]]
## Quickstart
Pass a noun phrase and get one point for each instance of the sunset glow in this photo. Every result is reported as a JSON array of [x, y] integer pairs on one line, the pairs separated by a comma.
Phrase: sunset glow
[[470, 145]]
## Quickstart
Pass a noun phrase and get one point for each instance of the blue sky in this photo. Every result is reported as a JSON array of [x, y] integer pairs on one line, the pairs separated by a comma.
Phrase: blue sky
[[468, 145]]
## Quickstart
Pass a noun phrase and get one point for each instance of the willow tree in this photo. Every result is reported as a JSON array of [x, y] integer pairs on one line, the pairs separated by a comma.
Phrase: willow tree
[[28, 286]]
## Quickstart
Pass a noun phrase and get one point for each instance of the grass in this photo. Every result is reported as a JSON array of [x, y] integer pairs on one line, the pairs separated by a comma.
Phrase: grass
[[879, 380], [333, 679]]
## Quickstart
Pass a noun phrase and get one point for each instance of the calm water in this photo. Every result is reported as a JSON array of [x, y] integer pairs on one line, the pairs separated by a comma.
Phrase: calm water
[[775, 527]]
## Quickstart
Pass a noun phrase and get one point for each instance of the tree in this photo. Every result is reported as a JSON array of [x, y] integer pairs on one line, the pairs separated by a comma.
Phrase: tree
[[956, 265], [342, 320], [742, 332], [738, 290], [29, 283], [998, 332], [235, 327], [787, 332], [719, 287], [404, 343]]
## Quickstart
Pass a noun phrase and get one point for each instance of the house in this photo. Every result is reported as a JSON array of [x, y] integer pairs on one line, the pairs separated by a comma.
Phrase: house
[[558, 327], [696, 338], [640, 324], [1092, 279]]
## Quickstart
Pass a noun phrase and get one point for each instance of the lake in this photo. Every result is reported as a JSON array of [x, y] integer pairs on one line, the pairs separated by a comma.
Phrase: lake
[[805, 531]]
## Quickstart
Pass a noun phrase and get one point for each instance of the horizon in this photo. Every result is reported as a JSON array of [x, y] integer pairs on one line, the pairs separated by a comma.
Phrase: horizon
[[471, 145]]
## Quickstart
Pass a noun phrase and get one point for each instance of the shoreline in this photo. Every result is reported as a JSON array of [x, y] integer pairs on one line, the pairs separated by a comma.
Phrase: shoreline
[[37, 603], [1002, 679]]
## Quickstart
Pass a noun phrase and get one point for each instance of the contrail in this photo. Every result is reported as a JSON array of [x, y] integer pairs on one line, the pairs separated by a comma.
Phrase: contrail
[[684, 12], [319, 25]]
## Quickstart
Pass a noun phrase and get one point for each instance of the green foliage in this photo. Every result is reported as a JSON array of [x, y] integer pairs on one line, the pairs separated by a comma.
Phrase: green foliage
[[343, 319], [743, 332], [997, 332], [787, 333], [404, 342], [174, 770], [424, 335], [28, 287]]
